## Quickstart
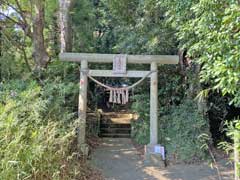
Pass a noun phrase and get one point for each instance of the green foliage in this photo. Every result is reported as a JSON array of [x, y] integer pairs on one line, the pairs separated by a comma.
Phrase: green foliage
[[180, 127], [8, 69], [60, 89], [211, 36], [133, 27], [36, 133], [232, 147], [141, 128], [11, 59], [170, 92], [171, 87], [83, 20], [124, 11], [180, 132], [207, 29]]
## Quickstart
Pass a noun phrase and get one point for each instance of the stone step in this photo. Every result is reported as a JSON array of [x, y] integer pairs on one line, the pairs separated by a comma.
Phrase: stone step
[[116, 130], [115, 125], [110, 135], [111, 125]]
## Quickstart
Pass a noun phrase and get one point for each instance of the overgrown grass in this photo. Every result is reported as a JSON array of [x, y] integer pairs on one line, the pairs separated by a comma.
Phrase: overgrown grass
[[36, 135]]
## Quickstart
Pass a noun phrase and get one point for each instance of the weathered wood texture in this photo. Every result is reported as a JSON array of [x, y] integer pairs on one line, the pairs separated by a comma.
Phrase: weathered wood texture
[[108, 58], [109, 73], [154, 105]]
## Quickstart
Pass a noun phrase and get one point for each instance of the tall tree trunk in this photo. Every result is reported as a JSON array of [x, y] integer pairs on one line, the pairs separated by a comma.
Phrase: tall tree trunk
[[39, 50], [65, 25]]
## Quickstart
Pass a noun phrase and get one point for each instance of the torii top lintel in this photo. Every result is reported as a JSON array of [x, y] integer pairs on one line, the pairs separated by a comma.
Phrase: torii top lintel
[[108, 58]]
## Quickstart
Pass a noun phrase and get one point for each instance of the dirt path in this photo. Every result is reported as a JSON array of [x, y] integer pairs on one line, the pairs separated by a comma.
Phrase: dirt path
[[119, 160]]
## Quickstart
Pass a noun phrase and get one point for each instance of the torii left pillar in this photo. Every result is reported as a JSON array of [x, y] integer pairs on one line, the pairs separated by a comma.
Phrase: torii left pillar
[[154, 105], [82, 109]]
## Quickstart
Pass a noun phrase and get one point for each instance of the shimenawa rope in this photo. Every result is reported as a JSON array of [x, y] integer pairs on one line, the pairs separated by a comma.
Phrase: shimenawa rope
[[117, 95]]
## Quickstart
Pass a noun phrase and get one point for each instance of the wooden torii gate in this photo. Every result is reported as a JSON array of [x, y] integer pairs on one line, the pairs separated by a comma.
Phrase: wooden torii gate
[[85, 58]]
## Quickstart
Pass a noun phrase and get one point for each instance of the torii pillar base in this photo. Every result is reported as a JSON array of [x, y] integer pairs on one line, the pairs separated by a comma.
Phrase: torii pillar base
[[151, 158], [83, 149]]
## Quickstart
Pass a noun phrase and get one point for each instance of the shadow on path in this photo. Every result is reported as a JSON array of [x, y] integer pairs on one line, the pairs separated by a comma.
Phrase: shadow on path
[[119, 160]]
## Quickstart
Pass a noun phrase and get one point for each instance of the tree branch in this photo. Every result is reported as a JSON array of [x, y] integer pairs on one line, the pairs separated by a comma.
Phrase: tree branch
[[21, 48], [21, 11], [26, 60], [11, 6], [22, 21], [11, 19]]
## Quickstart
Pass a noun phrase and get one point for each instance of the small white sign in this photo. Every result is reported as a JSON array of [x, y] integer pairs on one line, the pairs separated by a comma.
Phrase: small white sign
[[120, 64], [158, 149]]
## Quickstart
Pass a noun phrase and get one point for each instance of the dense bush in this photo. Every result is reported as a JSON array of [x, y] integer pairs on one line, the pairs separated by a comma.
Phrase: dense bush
[[35, 143], [141, 128], [180, 132]]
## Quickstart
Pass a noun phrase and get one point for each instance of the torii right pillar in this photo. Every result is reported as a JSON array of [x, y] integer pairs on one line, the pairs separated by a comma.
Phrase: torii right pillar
[[150, 156]]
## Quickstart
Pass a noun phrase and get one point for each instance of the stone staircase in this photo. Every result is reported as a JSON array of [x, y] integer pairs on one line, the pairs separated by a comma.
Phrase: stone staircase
[[115, 125]]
